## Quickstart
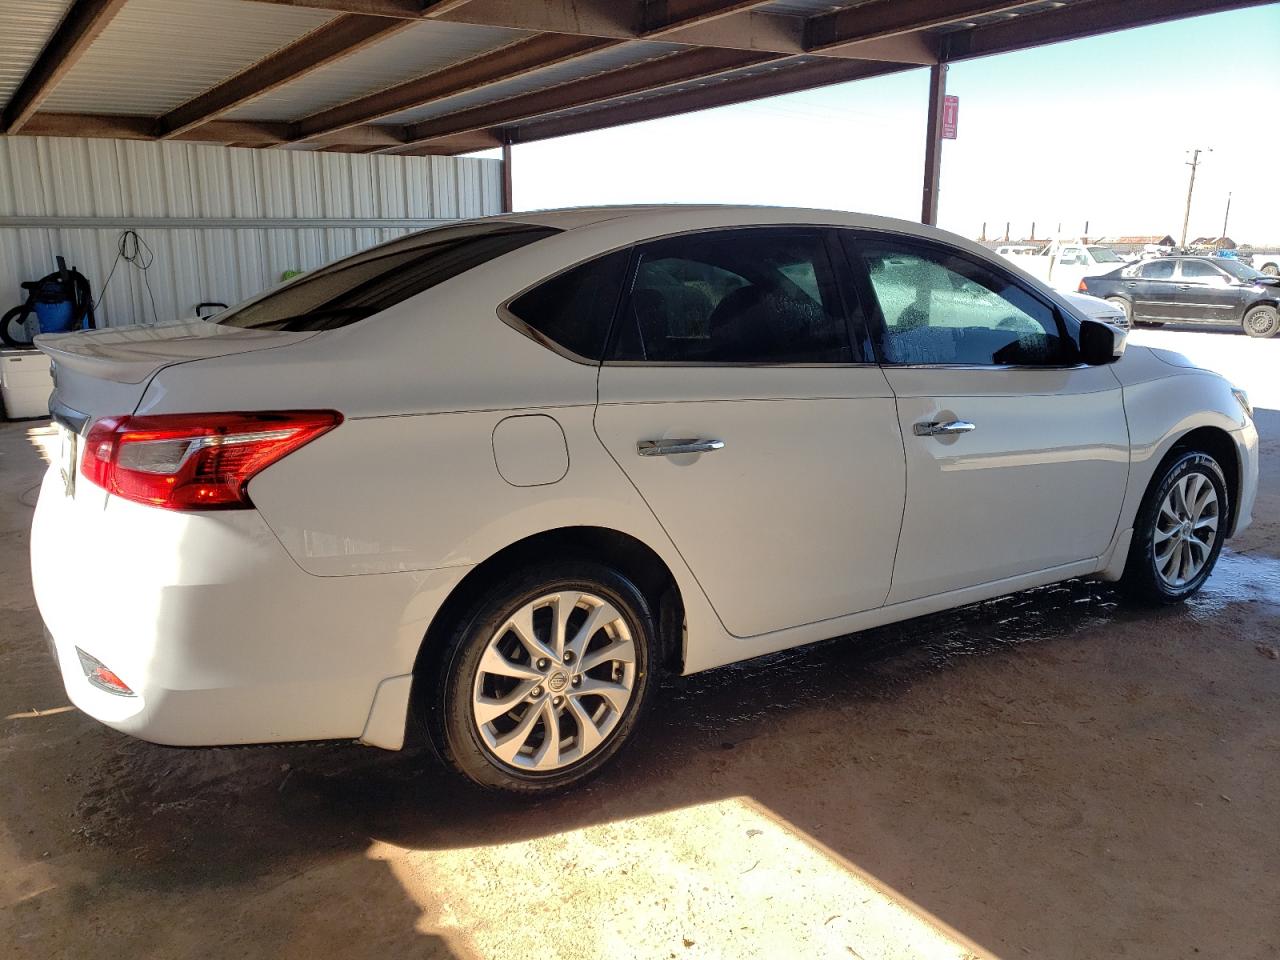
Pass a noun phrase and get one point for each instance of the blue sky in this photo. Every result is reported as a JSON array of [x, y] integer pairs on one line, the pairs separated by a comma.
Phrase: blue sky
[[1093, 129]]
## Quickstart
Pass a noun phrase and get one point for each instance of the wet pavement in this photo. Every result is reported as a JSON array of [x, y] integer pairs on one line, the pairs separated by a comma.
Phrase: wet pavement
[[1054, 774]]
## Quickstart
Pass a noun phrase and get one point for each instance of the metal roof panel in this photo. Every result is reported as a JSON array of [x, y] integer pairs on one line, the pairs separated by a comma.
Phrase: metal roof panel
[[418, 50], [27, 27], [157, 54]]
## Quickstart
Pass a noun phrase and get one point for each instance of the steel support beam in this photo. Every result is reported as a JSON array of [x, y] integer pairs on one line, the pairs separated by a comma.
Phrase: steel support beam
[[79, 28], [713, 94], [507, 63], [508, 194], [339, 38], [627, 81], [933, 144], [1083, 18]]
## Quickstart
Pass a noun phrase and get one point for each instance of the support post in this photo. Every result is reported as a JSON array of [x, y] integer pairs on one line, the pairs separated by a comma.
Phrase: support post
[[507, 197], [933, 144]]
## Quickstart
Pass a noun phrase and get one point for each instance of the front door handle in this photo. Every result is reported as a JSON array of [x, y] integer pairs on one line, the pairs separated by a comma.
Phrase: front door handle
[[670, 448], [933, 428]]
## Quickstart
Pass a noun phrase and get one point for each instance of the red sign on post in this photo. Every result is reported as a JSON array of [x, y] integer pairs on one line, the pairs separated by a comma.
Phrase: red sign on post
[[950, 116]]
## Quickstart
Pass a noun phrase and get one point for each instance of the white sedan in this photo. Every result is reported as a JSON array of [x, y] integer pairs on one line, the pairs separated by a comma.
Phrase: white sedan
[[497, 476]]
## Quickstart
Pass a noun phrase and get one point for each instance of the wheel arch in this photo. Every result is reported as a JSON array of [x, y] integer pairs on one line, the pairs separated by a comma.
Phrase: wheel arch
[[633, 558], [1218, 444]]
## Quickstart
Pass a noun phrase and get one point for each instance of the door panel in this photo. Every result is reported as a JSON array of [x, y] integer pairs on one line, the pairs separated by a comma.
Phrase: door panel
[[796, 518], [1153, 290], [1204, 295], [1037, 483]]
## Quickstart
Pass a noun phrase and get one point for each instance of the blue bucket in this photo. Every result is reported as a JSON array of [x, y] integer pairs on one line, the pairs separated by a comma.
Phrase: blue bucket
[[57, 317]]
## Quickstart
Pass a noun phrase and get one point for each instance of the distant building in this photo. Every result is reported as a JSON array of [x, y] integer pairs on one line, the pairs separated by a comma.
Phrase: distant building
[[1212, 243], [1137, 244]]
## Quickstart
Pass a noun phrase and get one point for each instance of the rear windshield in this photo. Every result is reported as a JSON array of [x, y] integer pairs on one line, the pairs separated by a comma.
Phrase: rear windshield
[[369, 282], [1104, 255]]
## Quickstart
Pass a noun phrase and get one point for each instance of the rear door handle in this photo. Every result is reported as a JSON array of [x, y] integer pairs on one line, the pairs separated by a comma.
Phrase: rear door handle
[[670, 448], [934, 428]]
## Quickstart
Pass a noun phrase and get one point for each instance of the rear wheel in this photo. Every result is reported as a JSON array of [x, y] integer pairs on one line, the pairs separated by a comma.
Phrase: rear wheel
[[545, 679], [1262, 322], [1271, 270], [1179, 530], [1125, 307]]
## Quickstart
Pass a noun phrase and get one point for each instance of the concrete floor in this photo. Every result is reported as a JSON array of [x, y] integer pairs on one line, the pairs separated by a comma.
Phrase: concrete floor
[[1051, 775]]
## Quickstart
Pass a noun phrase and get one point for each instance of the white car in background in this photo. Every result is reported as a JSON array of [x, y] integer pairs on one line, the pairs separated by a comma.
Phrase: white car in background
[[500, 475]]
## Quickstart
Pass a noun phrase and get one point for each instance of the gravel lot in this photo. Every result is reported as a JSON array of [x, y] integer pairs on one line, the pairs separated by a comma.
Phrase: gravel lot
[[1051, 775]]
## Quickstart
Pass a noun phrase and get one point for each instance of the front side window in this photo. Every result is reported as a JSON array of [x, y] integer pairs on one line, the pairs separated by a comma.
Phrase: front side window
[[741, 296], [1199, 270], [942, 308], [374, 280], [1157, 270]]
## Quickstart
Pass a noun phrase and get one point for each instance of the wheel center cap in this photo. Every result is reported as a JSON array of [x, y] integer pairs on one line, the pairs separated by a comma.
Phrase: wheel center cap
[[1185, 531], [557, 681]]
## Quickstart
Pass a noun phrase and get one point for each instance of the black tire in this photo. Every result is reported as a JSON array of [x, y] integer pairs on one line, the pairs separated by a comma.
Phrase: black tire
[[449, 711], [1125, 306], [18, 316], [1261, 322], [1142, 579]]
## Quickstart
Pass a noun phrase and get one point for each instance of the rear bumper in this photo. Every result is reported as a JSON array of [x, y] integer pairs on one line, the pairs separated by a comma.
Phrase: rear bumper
[[221, 636]]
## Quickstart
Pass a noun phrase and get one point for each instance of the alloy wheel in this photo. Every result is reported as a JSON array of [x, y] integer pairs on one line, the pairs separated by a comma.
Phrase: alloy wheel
[[1186, 526], [554, 681]]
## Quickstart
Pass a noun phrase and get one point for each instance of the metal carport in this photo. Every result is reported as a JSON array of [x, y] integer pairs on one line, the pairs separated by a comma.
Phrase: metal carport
[[446, 77]]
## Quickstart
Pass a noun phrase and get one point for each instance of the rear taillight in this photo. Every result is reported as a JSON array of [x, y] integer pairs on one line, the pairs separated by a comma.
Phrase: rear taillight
[[1082, 287], [195, 461]]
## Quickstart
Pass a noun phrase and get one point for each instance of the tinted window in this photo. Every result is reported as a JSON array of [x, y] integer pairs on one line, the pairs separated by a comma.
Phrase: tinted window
[[941, 308], [369, 282], [743, 296], [573, 309], [1157, 270], [1241, 271], [1198, 268]]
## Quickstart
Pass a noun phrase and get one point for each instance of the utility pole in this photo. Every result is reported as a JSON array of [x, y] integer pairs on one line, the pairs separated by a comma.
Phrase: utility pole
[[1226, 215], [1186, 216]]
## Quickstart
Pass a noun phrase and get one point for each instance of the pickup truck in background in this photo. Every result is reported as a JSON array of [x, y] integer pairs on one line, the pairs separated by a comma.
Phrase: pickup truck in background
[[1063, 265]]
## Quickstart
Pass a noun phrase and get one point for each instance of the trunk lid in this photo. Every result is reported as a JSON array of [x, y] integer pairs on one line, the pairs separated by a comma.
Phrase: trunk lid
[[98, 373]]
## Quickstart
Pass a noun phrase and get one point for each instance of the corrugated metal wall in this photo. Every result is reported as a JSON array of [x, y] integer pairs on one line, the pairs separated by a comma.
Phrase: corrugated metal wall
[[224, 223]]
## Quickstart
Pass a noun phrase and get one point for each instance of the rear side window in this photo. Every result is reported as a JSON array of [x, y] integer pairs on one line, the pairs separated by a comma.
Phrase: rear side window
[[573, 310], [742, 296], [370, 282]]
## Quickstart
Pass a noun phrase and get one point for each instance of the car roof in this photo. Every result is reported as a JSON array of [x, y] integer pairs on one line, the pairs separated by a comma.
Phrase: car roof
[[675, 216]]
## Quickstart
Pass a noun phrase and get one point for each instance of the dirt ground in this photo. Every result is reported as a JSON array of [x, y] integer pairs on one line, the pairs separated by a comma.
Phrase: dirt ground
[[1053, 775]]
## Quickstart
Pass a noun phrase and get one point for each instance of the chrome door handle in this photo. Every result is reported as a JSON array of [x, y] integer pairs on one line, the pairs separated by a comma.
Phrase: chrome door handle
[[670, 448], [932, 428]]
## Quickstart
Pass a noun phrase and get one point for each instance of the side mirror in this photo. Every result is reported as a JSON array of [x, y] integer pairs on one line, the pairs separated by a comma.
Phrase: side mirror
[[1101, 342]]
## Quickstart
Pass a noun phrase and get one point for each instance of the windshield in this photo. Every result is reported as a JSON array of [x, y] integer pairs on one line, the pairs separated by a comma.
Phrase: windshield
[[1241, 271], [369, 282], [1105, 255]]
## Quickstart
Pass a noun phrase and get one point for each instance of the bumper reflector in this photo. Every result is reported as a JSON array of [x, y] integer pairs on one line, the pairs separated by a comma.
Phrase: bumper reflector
[[104, 679]]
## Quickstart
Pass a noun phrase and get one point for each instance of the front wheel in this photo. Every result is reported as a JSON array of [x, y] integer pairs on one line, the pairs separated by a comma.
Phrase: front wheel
[[1179, 530], [545, 679], [1262, 322]]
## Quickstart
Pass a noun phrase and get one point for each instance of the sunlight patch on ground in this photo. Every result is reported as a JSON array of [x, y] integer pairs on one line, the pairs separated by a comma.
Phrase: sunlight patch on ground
[[45, 439], [722, 879]]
